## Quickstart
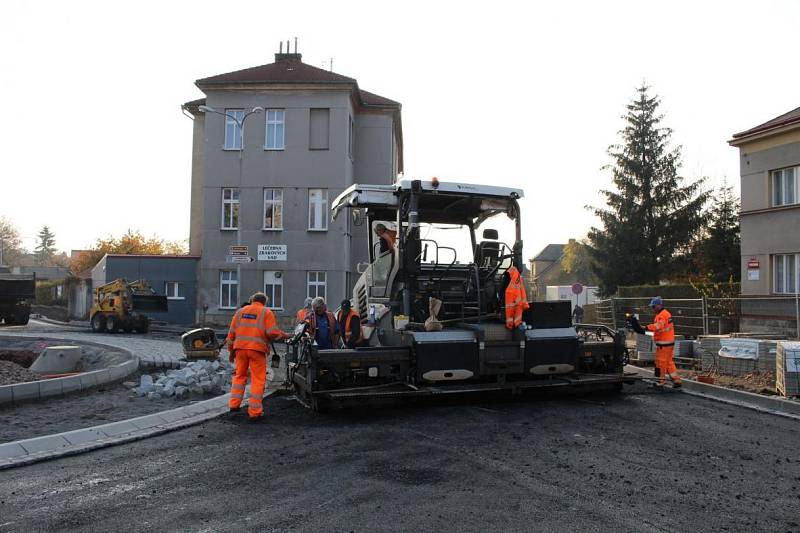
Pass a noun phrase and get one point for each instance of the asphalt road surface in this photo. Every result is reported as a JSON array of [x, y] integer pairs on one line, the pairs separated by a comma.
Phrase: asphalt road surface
[[643, 461]]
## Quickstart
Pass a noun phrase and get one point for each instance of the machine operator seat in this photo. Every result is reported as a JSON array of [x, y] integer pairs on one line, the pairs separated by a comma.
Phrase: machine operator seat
[[487, 253]]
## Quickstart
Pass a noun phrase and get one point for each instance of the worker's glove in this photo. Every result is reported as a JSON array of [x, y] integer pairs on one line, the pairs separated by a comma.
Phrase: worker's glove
[[635, 326], [232, 355]]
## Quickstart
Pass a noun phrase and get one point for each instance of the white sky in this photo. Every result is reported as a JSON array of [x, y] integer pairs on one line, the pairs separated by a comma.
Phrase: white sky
[[525, 94]]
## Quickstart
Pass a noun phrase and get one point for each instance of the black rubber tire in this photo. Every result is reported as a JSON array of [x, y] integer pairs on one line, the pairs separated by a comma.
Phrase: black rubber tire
[[127, 327], [143, 325], [9, 319], [98, 323], [112, 324], [21, 319]]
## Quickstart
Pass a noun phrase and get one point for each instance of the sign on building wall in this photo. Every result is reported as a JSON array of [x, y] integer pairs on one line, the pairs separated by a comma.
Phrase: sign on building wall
[[272, 252], [753, 269], [238, 250]]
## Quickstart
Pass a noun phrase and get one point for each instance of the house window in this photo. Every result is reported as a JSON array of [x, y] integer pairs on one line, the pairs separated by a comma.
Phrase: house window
[[275, 129], [228, 289], [174, 290], [273, 288], [784, 186], [317, 284], [273, 209], [317, 209], [319, 129], [233, 133], [230, 208], [786, 268], [351, 137]]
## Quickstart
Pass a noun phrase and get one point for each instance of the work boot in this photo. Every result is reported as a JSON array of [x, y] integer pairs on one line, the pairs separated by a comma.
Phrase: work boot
[[658, 384], [677, 385], [234, 410], [255, 419]]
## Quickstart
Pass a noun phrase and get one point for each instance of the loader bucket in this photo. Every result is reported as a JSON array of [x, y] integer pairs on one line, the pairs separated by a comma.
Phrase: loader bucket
[[149, 302]]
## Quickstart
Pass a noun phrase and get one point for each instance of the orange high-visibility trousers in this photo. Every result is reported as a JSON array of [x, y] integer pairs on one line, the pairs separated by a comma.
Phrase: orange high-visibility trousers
[[256, 362], [665, 365]]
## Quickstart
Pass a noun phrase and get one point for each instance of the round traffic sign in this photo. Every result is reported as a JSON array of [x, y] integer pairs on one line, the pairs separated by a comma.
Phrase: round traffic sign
[[577, 288]]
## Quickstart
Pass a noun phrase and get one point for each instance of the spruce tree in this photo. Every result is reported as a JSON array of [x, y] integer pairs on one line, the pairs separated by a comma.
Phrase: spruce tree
[[718, 255], [46, 247], [652, 217]]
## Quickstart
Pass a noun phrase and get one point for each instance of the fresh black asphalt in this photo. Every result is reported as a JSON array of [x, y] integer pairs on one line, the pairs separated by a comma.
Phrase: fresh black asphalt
[[642, 461]]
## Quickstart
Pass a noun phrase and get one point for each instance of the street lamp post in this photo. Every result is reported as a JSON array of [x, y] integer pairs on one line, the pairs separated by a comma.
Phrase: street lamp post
[[240, 125]]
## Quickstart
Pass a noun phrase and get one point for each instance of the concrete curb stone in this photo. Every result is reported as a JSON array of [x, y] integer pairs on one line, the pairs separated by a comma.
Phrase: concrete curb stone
[[29, 451], [757, 402]]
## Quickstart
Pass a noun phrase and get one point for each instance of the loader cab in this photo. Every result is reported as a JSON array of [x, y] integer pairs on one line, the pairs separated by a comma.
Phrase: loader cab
[[453, 242]]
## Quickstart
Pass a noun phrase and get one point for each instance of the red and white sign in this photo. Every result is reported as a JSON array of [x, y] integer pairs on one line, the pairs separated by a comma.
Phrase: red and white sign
[[577, 288], [753, 263]]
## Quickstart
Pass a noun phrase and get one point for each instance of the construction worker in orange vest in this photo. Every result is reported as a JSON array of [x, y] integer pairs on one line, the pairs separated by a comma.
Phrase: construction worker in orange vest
[[301, 314], [664, 338], [252, 330], [349, 325], [516, 301], [322, 325]]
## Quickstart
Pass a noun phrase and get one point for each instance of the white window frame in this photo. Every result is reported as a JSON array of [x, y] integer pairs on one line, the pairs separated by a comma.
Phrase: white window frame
[[277, 205], [780, 181], [225, 287], [275, 279], [781, 280], [319, 209], [176, 294], [234, 191], [316, 283], [234, 137], [276, 121]]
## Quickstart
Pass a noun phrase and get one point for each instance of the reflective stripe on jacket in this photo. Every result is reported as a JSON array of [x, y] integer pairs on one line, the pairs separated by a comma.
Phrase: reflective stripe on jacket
[[662, 328], [516, 301], [253, 328], [345, 324]]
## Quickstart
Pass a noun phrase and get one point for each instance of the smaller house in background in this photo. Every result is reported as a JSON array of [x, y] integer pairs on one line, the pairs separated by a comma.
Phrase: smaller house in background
[[545, 270], [173, 276]]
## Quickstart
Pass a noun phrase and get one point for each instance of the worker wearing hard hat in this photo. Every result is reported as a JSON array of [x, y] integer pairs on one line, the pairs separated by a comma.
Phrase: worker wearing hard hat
[[664, 338], [349, 325], [303, 311], [387, 236], [252, 330]]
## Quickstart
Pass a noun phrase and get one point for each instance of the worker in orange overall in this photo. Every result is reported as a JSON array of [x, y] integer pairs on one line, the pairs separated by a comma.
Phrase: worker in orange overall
[[664, 338], [516, 301], [303, 311], [252, 330]]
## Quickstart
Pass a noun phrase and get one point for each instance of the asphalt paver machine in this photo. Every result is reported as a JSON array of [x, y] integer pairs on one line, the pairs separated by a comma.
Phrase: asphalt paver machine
[[437, 257]]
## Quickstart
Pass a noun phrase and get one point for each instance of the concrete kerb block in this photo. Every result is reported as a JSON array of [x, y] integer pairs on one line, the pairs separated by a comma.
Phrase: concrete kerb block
[[147, 421], [83, 436], [103, 376], [89, 379], [6, 394], [71, 384], [11, 450], [26, 391], [117, 428], [44, 444], [50, 387]]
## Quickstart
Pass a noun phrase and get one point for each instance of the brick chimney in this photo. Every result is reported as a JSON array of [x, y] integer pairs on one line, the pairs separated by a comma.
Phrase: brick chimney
[[287, 56]]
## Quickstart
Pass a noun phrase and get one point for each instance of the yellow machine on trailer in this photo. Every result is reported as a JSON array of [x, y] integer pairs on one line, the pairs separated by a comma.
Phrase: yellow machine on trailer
[[120, 305]]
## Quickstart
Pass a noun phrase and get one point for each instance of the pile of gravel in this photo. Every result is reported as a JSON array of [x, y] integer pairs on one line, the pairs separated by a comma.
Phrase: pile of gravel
[[13, 373], [197, 378]]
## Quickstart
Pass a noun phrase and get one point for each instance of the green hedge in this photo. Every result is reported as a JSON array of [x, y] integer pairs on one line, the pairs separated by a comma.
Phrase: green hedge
[[680, 290]]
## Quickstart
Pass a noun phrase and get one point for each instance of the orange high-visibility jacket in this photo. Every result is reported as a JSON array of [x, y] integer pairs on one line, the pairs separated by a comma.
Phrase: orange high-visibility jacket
[[663, 331], [301, 315], [516, 299], [388, 237], [253, 328], [345, 323], [311, 318]]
